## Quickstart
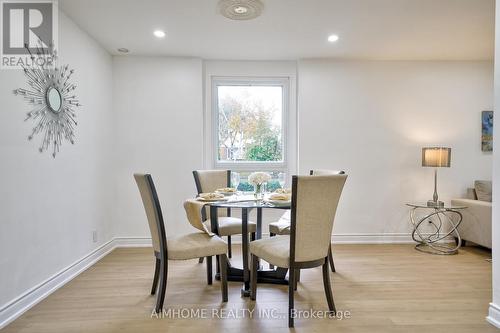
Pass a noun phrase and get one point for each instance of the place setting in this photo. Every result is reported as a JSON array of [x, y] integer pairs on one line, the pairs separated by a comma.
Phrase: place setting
[[279, 197]]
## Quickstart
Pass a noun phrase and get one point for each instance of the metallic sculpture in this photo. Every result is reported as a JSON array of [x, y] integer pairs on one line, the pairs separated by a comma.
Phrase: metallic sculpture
[[51, 95]]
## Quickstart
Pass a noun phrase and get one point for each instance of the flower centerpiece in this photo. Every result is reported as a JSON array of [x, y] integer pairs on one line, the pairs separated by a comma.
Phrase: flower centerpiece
[[258, 179]]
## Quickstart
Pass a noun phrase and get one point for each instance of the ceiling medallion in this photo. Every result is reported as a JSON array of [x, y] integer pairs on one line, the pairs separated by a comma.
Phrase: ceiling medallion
[[51, 96], [241, 9]]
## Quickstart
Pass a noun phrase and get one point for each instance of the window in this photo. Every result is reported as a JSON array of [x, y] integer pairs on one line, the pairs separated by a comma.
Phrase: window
[[249, 123], [249, 128]]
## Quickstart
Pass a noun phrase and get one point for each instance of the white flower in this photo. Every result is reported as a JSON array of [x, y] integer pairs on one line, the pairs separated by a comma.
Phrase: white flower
[[258, 178]]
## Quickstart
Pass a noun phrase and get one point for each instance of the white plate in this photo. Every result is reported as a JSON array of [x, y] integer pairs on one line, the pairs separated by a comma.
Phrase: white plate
[[227, 194], [279, 202], [210, 200]]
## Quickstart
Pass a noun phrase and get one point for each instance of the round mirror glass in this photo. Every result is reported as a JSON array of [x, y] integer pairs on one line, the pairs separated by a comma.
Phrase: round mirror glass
[[54, 99]]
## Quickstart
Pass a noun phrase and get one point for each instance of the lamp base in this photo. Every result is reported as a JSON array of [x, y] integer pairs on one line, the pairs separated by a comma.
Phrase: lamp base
[[432, 203]]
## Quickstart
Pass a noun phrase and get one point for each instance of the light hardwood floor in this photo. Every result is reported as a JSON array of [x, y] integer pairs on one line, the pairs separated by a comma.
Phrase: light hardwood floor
[[386, 288]]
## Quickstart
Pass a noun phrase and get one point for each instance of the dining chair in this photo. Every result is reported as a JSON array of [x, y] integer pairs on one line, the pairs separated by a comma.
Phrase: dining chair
[[314, 204], [282, 226], [209, 181], [190, 246]]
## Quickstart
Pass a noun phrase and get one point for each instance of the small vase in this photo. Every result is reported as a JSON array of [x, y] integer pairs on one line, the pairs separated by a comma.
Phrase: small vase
[[257, 188]]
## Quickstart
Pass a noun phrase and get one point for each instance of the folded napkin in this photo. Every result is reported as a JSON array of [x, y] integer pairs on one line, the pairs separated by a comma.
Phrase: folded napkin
[[283, 226], [211, 196], [286, 217], [193, 209], [280, 196], [226, 190], [284, 222]]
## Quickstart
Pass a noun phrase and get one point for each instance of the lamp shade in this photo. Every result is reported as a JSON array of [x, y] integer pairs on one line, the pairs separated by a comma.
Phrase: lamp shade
[[436, 157]]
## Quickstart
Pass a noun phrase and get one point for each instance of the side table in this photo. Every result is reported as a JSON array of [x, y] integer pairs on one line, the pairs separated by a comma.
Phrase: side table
[[439, 218]]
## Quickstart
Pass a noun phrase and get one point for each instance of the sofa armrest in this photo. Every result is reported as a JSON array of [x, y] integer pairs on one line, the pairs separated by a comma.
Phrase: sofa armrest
[[476, 223], [471, 203]]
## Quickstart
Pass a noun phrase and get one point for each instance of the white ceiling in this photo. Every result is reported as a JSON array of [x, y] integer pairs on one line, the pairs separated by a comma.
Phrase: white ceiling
[[294, 29]]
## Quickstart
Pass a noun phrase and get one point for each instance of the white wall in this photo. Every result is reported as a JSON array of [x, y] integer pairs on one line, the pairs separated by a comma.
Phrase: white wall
[[159, 131], [372, 118], [494, 311], [49, 207]]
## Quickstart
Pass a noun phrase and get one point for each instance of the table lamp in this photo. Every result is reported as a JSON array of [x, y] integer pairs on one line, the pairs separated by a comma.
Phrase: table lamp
[[436, 157]]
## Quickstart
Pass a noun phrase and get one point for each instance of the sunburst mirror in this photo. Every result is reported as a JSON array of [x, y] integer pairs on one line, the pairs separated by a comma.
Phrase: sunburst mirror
[[51, 95]]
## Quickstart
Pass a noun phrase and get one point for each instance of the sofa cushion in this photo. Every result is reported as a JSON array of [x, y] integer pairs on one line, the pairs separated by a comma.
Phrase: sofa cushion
[[483, 190], [471, 194]]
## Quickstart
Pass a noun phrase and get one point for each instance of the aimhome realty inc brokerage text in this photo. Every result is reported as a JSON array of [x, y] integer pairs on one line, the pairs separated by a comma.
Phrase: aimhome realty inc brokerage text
[[188, 313]]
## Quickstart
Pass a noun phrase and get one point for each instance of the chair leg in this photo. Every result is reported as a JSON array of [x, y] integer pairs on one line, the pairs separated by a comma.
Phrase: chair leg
[[223, 276], [253, 277], [156, 276], [163, 285], [217, 265], [291, 282], [209, 270], [271, 266], [200, 261], [229, 249], [330, 259], [328, 288], [297, 277]]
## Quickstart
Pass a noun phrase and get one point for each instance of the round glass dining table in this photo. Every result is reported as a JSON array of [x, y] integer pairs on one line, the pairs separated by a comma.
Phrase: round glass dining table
[[247, 203]]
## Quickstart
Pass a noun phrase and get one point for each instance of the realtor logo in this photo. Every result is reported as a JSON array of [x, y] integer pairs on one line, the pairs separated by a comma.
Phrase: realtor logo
[[27, 26]]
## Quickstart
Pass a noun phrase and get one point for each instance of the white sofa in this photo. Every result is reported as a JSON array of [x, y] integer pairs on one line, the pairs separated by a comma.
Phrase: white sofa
[[476, 223]]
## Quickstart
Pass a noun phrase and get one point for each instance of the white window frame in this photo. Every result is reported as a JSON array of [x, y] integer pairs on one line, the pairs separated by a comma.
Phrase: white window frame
[[284, 83]]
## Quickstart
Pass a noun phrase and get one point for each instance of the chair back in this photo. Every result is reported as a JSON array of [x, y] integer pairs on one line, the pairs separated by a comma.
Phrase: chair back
[[209, 181], [325, 172], [153, 211], [314, 204]]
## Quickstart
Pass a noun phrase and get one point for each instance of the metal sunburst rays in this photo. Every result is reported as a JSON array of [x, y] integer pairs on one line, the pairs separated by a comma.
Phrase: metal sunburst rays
[[51, 95]]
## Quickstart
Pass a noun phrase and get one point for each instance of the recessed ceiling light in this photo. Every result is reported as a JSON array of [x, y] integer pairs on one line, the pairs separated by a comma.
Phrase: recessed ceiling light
[[240, 9], [333, 38], [123, 50], [159, 33]]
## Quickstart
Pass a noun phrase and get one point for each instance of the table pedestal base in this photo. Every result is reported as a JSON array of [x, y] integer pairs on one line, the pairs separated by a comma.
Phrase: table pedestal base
[[277, 276]]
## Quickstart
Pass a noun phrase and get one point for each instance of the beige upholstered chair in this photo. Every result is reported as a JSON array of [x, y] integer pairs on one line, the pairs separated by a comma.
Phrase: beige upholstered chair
[[209, 181], [191, 246], [314, 204], [282, 226]]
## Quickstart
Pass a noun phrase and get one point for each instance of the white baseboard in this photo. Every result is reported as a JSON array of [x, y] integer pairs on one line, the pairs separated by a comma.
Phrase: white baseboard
[[358, 238], [132, 242], [494, 315], [382, 238], [15, 308], [336, 239]]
